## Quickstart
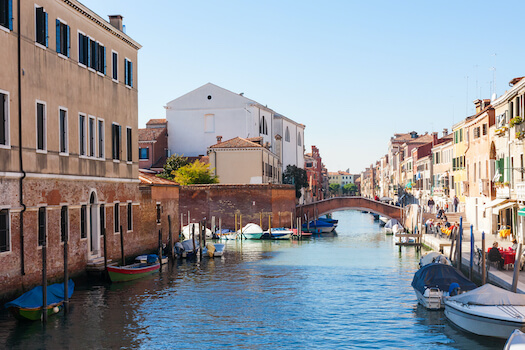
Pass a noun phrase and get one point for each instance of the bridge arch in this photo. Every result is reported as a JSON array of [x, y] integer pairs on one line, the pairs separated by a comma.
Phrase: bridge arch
[[349, 203]]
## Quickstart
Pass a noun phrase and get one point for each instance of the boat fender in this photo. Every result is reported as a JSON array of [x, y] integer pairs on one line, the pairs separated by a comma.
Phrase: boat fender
[[453, 289]]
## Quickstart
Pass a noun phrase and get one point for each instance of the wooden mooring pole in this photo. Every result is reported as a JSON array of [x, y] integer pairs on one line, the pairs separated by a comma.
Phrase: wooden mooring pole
[[515, 277], [122, 247], [44, 279], [66, 274], [470, 273], [170, 239], [160, 249], [483, 260]]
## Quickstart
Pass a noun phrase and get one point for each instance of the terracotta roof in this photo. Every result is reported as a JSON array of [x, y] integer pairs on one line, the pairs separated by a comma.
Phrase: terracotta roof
[[150, 134], [150, 179], [237, 142], [156, 121]]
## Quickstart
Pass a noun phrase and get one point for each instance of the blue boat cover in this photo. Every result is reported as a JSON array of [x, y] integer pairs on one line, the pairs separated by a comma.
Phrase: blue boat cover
[[317, 223], [33, 298], [440, 276]]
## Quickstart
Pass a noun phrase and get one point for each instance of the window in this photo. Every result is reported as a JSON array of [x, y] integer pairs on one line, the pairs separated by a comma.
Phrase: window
[[62, 126], [6, 14], [100, 138], [62, 38], [97, 56], [91, 137], [287, 135], [299, 142], [485, 129], [82, 134], [129, 149], [130, 217], [41, 26], [83, 49], [128, 72], [209, 123], [63, 224], [143, 153], [4, 119], [41, 226], [5, 239], [102, 219], [116, 217], [114, 65], [263, 127], [116, 132], [40, 126], [83, 222], [158, 213]]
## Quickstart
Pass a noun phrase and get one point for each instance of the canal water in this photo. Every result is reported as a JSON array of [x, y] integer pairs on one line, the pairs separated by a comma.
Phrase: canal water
[[350, 290]]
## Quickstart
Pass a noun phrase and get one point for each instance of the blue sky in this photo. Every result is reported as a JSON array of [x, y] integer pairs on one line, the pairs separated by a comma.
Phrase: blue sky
[[354, 72]]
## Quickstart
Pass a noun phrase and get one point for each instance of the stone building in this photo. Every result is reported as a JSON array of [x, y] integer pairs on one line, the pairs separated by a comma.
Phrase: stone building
[[153, 145]]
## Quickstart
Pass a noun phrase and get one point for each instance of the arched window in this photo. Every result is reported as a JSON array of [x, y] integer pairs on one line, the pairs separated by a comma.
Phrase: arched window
[[287, 135], [263, 127], [299, 142]]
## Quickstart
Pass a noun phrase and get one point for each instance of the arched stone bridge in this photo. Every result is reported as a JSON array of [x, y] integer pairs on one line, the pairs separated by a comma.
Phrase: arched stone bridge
[[344, 203]]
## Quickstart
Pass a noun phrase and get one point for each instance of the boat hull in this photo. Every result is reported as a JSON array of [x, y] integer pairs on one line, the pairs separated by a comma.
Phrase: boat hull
[[484, 320], [324, 229], [252, 235], [33, 314], [129, 273], [431, 300]]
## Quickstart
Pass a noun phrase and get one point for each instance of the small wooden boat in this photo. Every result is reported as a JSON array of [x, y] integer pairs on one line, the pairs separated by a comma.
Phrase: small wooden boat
[[213, 250], [29, 305], [133, 271], [488, 310]]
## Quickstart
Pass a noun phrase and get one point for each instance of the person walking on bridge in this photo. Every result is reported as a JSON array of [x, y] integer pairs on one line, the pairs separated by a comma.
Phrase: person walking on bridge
[[430, 205], [456, 202]]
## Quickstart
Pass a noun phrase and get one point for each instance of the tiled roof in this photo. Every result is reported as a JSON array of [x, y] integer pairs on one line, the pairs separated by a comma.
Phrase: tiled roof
[[237, 142], [150, 179], [156, 122], [150, 134]]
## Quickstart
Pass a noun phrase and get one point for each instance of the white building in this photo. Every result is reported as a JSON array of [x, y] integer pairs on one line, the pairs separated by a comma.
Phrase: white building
[[198, 117]]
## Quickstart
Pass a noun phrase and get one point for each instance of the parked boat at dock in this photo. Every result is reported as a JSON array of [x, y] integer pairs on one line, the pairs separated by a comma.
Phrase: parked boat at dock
[[390, 225], [433, 257], [318, 226], [277, 233], [144, 258], [186, 249], [134, 271], [250, 231], [28, 306], [195, 227], [434, 282], [516, 341], [487, 310], [213, 250], [383, 220]]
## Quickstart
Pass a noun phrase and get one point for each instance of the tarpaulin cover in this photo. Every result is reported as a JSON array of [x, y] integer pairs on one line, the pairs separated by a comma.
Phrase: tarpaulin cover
[[317, 223], [490, 295], [33, 298], [392, 222], [440, 276]]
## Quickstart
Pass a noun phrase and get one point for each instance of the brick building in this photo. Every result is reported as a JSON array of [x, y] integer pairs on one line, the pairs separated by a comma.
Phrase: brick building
[[153, 145]]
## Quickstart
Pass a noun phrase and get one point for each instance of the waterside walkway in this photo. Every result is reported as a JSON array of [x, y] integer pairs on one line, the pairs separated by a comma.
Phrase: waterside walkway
[[502, 278]]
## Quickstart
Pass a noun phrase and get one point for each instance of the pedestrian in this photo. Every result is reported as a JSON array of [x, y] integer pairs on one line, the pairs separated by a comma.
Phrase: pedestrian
[[495, 256], [456, 202], [446, 207], [430, 205]]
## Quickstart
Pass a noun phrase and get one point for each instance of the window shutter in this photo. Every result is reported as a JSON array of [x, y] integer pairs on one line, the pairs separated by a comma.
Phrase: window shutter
[[10, 14], [131, 74], [126, 72], [119, 154], [104, 59], [58, 35], [45, 29], [68, 41], [88, 49], [95, 56]]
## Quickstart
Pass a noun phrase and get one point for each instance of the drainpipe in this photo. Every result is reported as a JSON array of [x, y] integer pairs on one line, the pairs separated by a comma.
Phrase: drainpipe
[[20, 158]]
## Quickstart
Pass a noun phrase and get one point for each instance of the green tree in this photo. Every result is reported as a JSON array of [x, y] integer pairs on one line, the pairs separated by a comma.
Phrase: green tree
[[173, 163], [295, 176], [334, 188], [350, 189], [195, 173]]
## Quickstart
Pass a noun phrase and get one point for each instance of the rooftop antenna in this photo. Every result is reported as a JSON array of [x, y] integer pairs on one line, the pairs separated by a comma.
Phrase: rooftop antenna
[[466, 105], [476, 91], [493, 69]]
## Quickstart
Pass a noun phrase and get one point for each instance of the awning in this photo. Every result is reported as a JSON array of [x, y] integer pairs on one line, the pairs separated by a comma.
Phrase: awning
[[495, 202], [521, 212], [504, 206]]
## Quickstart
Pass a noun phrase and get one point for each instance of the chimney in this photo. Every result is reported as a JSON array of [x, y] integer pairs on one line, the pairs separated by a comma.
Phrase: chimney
[[116, 21], [434, 137], [445, 132], [219, 139], [479, 105]]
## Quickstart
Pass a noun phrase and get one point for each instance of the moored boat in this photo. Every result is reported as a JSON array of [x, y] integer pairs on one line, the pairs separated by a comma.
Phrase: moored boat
[[144, 258], [433, 257], [318, 226], [388, 228], [195, 227], [213, 250], [487, 310], [277, 233], [28, 306], [434, 282], [251, 231], [516, 341], [133, 271]]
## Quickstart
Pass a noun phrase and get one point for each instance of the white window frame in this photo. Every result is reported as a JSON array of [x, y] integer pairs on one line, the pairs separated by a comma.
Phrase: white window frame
[[44, 151], [60, 54], [66, 153], [80, 141], [89, 49], [130, 145], [86, 227], [126, 60], [47, 29], [103, 137], [95, 139], [116, 66], [7, 121], [9, 230]]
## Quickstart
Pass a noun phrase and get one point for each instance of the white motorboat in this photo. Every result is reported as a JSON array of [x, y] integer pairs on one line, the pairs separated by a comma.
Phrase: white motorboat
[[251, 231], [383, 220], [195, 227], [144, 258], [278, 233], [516, 341], [433, 257], [434, 282], [487, 310], [213, 250], [389, 226]]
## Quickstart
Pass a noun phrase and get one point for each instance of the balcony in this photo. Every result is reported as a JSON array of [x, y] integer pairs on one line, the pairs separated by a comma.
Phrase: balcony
[[503, 191], [520, 190]]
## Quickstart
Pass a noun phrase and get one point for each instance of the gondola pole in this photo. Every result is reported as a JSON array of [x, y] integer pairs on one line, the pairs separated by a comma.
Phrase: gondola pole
[[170, 238], [44, 279], [516, 275], [160, 249], [66, 274], [471, 252], [122, 246], [483, 263]]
